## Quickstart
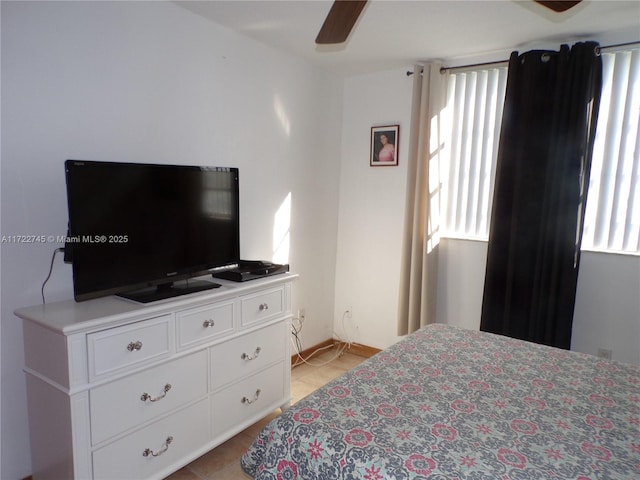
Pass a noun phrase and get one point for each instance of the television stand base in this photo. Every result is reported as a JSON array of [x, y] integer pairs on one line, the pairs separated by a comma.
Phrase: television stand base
[[164, 291]]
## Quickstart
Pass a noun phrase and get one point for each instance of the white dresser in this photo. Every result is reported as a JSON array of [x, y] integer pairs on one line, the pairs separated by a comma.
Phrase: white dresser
[[121, 390]]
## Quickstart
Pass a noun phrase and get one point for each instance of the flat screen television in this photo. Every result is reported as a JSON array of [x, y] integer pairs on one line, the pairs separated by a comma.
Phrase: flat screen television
[[143, 231]]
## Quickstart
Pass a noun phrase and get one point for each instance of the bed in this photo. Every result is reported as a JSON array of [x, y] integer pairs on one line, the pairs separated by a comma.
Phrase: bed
[[449, 403]]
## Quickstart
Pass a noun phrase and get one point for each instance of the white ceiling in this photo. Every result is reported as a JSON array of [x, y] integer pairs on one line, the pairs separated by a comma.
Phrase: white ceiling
[[397, 33]]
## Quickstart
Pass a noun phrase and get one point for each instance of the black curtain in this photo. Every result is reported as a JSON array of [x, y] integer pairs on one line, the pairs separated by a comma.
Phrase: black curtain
[[542, 175]]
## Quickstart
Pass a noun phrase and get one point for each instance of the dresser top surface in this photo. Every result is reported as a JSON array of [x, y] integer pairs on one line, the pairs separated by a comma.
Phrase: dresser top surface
[[69, 317]]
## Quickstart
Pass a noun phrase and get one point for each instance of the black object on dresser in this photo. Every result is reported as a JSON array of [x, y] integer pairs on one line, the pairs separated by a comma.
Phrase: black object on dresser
[[251, 269]]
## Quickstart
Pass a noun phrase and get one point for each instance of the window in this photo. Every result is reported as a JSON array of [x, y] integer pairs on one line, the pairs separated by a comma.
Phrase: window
[[474, 103], [612, 218], [474, 107]]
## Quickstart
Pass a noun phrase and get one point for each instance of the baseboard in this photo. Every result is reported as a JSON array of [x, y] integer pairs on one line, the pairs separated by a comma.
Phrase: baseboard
[[354, 348], [362, 350]]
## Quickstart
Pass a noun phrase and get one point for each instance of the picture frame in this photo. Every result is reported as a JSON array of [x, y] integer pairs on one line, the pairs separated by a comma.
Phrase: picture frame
[[384, 146]]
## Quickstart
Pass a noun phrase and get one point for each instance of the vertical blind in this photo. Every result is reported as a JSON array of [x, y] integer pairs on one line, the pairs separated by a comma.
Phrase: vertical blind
[[474, 112], [612, 220], [474, 100]]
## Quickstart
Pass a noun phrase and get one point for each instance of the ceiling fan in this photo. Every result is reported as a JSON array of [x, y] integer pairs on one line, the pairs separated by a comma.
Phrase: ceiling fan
[[344, 14]]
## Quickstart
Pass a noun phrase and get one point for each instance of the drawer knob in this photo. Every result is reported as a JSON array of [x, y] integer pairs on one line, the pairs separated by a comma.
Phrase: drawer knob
[[263, 307], [251, 356], [251, 400], [209, 323], [134, 346], [165, 447], [145, 396]]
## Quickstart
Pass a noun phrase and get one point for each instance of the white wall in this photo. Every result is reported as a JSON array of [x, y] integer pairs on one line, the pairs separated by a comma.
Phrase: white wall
[[152, 82], [607, 313], [371, 212], [461, 269]]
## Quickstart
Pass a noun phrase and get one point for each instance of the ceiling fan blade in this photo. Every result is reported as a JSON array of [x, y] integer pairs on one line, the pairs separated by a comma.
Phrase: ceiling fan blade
[[340, 21], [558, 5]]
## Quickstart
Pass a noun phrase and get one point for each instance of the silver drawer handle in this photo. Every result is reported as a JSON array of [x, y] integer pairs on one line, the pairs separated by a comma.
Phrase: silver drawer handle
[[134, 346], [208, 323], [249, 400], [145, 396], [263, 306], [165, 447], [249, 356]]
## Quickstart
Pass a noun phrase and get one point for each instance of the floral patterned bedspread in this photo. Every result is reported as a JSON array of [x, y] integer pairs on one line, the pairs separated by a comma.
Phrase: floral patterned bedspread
[[447, 403]]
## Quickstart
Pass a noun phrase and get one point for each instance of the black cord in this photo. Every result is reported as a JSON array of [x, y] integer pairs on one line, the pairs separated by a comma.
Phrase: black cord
[[53, 257]]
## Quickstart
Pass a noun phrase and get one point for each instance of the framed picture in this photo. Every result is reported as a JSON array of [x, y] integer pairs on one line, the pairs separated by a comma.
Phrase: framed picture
[[384, 146]]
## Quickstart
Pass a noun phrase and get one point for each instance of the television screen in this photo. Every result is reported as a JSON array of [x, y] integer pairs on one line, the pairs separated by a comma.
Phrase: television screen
[[132, 226]]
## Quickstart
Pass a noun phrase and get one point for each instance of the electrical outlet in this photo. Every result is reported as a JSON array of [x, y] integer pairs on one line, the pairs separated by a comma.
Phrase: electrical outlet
[[348, 312], [302, 313], [604, 353]]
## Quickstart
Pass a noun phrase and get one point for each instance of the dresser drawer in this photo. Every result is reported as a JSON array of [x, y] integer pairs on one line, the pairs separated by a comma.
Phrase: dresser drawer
[[246, 355], [131, 401], [134, 344], [202, 324], [262, 306], [237, 403], [148, 451]]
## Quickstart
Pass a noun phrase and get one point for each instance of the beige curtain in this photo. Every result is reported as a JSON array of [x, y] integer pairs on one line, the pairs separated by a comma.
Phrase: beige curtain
[[419, 260]]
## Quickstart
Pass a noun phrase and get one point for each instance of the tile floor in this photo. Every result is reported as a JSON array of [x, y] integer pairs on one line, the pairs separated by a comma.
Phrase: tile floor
[[223, 462]]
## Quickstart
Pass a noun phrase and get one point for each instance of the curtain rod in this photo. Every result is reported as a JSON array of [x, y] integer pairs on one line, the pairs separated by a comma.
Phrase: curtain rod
[[505, 62]]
